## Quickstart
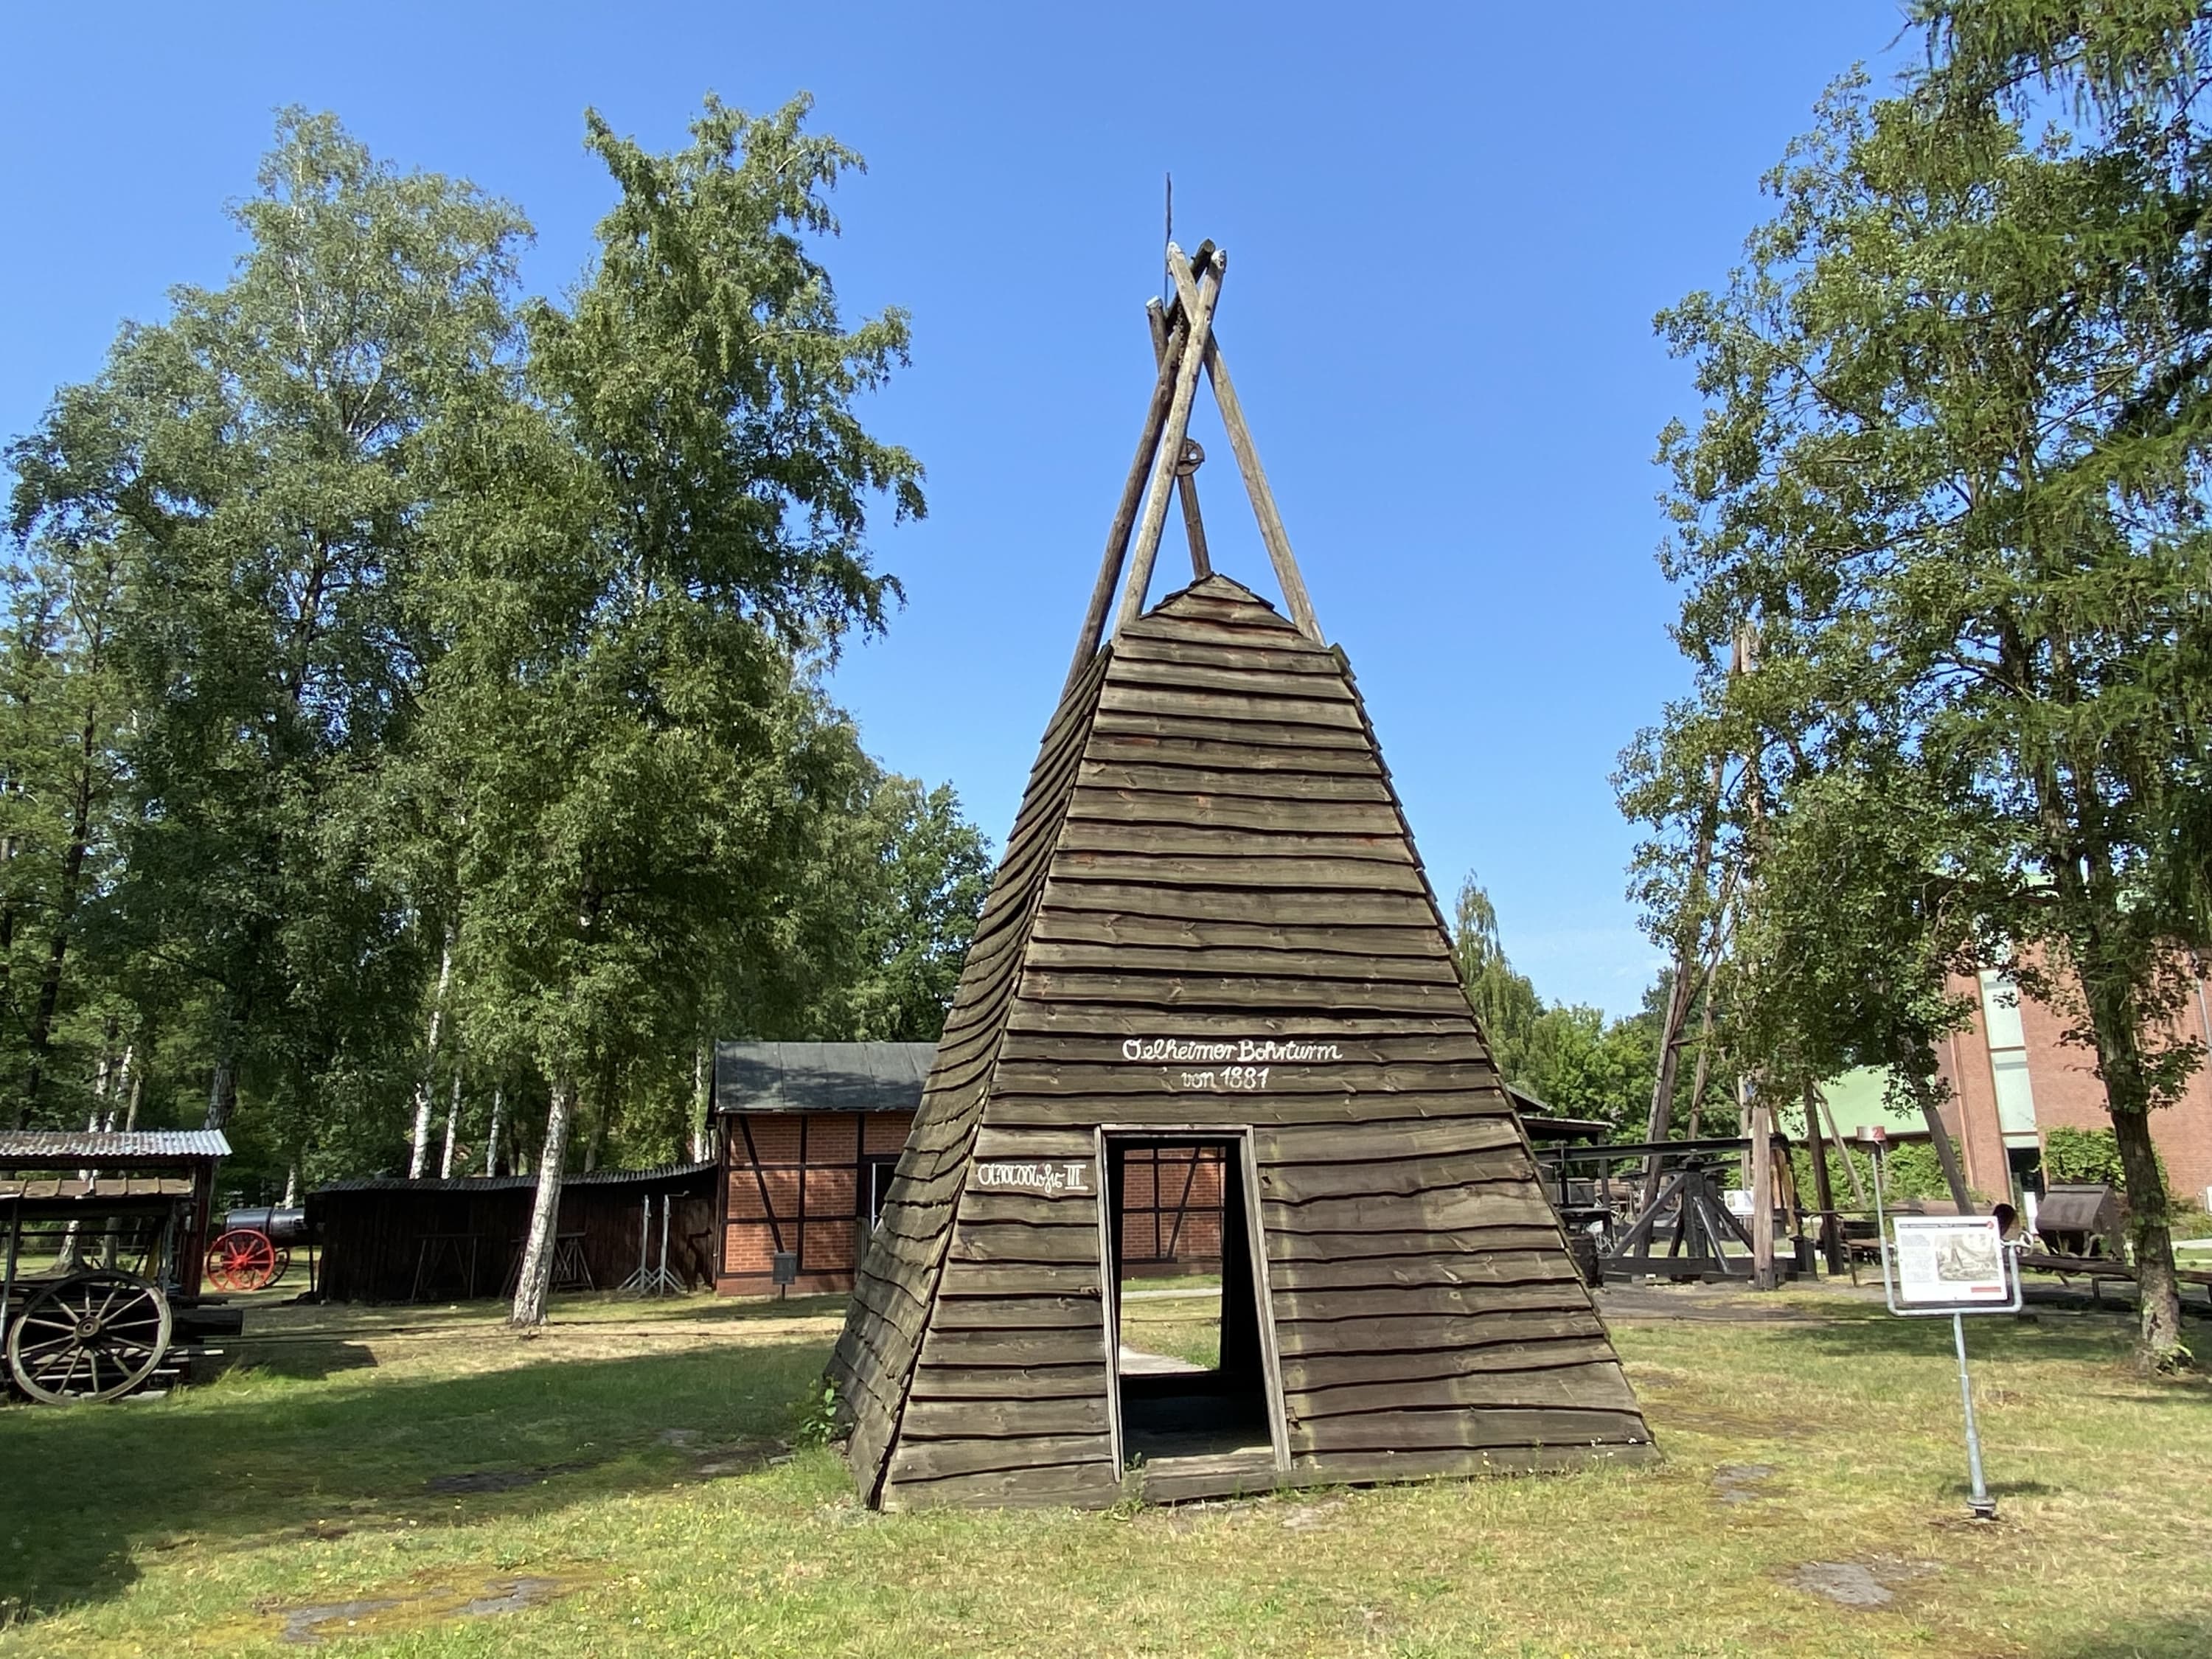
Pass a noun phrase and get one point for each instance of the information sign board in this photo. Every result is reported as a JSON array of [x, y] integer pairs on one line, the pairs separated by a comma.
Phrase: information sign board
[[1950, 1263]]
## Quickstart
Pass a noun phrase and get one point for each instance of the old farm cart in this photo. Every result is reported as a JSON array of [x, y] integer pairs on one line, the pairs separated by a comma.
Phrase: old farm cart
[[1211, 933], [104, 1234]]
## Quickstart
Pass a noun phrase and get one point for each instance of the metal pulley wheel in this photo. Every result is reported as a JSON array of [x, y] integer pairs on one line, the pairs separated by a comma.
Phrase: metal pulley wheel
[[91, 1336], [1192, 459]]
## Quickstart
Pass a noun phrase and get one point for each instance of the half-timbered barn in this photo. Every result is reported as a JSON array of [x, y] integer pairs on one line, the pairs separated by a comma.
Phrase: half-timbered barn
[[1211, 931], [811, 1134]]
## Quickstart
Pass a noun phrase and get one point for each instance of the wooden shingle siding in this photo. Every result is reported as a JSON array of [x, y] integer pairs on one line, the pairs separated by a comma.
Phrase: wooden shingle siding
[[1210, 852]]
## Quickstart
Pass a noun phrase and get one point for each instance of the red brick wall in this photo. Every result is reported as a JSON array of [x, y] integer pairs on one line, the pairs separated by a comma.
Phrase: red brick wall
[[2068, 1094], [1171, 1202]]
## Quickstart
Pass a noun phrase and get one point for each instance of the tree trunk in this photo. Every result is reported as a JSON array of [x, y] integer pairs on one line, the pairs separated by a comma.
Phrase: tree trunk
[[491, 1136], [537, 1274], [452, 1116], [2158, 1345], [222, 1087], [133, 1086], [419, 1150]]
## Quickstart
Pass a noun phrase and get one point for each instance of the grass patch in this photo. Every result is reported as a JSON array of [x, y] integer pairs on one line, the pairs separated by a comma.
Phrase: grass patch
[[622, 1484]]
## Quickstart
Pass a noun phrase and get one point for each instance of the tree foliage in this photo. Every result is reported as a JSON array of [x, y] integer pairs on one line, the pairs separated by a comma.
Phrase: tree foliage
[[1949, 481], [365, 604]]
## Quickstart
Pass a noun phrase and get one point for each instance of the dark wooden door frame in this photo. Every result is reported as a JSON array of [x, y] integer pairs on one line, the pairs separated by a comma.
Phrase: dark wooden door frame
[[1239, 1136]]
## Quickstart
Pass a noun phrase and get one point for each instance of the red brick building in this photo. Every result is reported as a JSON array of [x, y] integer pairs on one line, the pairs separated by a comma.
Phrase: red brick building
[[2013, 1079], [810, 1132]]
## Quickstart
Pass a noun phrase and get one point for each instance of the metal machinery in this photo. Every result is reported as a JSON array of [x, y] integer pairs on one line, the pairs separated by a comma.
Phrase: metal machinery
[[255, 1249], [103, 1234]]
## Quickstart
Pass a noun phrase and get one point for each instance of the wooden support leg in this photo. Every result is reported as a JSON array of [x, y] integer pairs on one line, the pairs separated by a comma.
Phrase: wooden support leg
[[1201, 564], [1199, 314], [1248, 463], [1125, 515]]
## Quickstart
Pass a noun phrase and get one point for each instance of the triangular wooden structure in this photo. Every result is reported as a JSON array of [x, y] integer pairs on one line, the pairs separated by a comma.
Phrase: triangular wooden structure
[[1211, 933]]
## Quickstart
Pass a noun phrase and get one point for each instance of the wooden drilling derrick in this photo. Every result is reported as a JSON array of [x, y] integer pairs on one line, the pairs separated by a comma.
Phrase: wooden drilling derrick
[[1211, 930]]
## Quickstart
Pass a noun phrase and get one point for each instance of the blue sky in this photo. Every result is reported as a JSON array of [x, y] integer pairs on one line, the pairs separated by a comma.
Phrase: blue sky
[[1449, 228]]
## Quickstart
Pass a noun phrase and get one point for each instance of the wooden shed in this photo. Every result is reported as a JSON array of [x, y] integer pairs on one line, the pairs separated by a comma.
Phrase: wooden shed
[[1210, 929], [389, 1239], [810, 1132]]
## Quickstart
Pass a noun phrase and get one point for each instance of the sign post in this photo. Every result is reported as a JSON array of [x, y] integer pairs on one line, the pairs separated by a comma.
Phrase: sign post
[[1954, 1265]]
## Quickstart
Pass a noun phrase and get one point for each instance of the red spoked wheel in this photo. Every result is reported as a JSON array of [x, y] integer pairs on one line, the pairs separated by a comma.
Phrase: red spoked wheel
[[243, 1259]]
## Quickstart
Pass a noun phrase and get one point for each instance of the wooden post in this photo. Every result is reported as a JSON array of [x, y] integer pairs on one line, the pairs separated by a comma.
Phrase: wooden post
[[1843, 1153], [1832, 1233], [1255, 475], [1199, 317], [1761, 1130], [1201, 563], [1125, 515]]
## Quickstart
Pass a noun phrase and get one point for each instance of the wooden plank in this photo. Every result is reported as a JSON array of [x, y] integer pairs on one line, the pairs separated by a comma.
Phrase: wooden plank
[[941, 1348], [1305, 741], [1166, 775], [1160, 656], [1265, 628], [1448, 1211], [1439, 1430], [1158, 839], [1315, 1377], [933, 1460], [1234, 992], [1546, 1285], [1303, 1339], [1090, 1486], [1086, 1379], [1588, 1384], [996, 1140], [1247, 813], [1069, 892], [1118, 931], [964, 1419], [963, 1279], [1228, 1475], [1168, 1106], [1020, 1313], [1063, 1020], [1283, 704], [1227, 752], [1039, 1245], [1477, 1174], [1501, 1267], [1378, 1133], [980, 1209], [1283, 876]]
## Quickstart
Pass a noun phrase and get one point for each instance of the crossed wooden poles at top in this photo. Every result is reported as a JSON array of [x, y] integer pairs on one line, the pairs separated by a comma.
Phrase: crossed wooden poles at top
[[1184, 342]]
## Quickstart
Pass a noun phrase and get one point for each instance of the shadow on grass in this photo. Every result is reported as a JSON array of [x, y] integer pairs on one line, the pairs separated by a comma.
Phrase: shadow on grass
[[263, 1458], [2185, 1638]]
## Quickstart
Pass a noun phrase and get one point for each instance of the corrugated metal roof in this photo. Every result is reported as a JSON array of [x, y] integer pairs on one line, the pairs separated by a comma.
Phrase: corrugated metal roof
[[821, 1076], [509, 1183], [112, 1145]]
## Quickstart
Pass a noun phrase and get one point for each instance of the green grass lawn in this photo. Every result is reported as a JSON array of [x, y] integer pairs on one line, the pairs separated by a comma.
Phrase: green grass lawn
[[623, 1485]]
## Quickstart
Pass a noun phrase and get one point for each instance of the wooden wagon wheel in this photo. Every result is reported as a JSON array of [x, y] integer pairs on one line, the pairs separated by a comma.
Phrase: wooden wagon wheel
[[243, 1259], [90, 1336]]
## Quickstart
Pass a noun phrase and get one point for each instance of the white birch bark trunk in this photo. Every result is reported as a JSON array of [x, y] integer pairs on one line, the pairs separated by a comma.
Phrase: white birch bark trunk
[[491, 1136], [419, 1152], [452, 1116], [537, 1274]]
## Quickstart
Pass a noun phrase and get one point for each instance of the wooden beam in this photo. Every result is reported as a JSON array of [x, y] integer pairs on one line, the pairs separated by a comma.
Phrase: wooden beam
[[1201, 565], [1125, 515], [1255, 475], [1199, 314]]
